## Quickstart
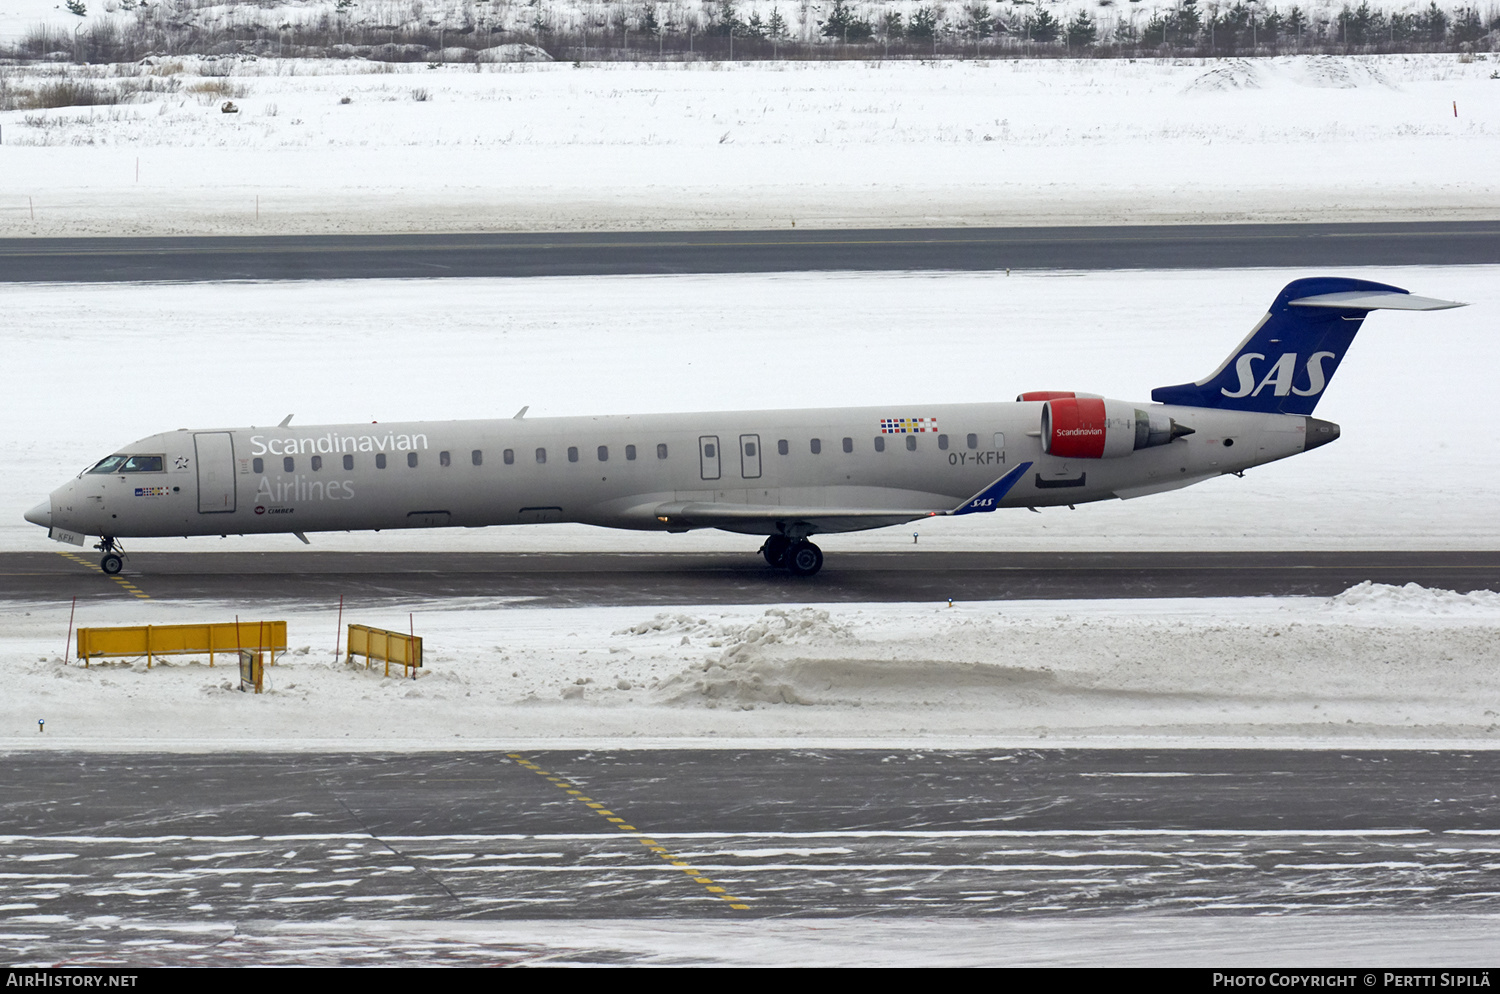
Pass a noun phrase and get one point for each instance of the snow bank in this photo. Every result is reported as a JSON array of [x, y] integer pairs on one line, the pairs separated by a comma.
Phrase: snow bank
[[1385, 599], [1215, 671], [328, 146]]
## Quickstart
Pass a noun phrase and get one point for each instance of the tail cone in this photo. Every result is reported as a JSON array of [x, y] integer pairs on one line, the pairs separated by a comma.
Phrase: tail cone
[[1319, 433]]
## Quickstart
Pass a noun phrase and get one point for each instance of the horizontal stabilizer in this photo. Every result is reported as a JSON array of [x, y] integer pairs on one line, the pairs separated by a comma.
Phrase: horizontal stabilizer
[[1355, 300]]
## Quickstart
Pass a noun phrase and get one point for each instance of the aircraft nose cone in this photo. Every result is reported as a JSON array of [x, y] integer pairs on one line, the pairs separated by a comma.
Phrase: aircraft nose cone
[[41, 515]]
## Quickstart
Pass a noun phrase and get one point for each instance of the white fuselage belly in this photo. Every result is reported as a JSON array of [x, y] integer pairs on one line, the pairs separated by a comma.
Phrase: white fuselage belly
[[242, 496]]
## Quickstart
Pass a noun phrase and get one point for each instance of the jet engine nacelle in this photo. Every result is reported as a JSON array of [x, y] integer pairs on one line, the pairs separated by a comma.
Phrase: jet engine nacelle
[[1082, 427]]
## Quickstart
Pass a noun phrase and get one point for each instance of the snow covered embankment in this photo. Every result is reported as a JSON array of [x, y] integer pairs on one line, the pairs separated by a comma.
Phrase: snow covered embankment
[[1375, 665], [325, 146]]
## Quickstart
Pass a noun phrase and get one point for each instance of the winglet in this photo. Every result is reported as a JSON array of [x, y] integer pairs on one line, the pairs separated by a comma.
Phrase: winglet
[[285, 421], [989, 498], [521, 413]]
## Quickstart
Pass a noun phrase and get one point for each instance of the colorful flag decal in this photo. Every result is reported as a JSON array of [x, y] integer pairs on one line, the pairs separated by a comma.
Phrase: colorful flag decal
[[150, 491], [905, 426]]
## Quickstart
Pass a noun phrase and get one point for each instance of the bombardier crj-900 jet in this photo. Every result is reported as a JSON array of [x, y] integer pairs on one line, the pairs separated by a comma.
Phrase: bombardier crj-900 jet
[[787, 475]]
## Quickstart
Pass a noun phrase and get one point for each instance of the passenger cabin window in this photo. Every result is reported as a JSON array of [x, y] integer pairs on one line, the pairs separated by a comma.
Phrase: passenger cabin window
[[848, 445], [541, 455], [572, 453], [348, 463], [972, 441], [444, 459], [380, 460], [509, 456], [911, 443], [1000, 440], [661, 450], [477, 457], [289, 464], [411, 460], [782, 448], [604, 453], [630, 453], [259, 465], [943, 442], [317, 463], [879, 443], [816, 445]]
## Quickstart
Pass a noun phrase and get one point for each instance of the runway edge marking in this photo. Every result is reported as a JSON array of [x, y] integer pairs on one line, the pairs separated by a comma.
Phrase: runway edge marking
[[129, 587], [570, 788]]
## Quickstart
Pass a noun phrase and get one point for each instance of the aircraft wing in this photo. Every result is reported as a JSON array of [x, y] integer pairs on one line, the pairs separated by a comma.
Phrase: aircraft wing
[[754, 517]]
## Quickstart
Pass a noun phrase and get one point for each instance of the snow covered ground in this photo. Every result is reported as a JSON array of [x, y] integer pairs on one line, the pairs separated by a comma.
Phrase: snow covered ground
[[1375, 666], [91, 368], [618, 145]]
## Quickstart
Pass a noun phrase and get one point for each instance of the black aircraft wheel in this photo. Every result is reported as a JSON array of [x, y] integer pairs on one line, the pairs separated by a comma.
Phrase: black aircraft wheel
[[804, 559], [111, 564], [775, 550]]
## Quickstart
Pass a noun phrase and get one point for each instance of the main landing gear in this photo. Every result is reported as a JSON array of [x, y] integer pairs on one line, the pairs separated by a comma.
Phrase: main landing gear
[[114, 556], [797, 556]]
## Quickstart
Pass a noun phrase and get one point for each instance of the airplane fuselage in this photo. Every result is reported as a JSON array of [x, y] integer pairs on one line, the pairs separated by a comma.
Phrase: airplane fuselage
[[621, 471]]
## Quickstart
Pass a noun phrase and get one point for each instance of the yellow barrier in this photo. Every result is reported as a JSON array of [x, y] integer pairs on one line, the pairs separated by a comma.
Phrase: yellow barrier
[[181, 640], [377, 643]]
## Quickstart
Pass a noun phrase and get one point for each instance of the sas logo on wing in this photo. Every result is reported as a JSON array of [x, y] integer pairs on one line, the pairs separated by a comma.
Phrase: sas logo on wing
[[1279, 377], [150, 491]]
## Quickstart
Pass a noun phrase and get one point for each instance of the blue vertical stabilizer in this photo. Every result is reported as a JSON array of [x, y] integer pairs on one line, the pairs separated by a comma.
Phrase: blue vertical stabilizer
[[1288, 359]]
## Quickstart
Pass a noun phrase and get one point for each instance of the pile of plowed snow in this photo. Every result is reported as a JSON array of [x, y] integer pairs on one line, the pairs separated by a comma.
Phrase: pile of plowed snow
[[1376, 664]]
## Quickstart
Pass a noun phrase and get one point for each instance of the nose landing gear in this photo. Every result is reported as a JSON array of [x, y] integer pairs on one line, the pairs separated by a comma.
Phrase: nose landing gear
[[114, 556], [798, 557]]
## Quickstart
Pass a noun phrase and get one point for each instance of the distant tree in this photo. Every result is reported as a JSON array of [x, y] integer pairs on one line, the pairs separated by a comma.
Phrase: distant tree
[[776, 28], [890, 25], [845, 25], [1360, 26], [1296, 22], [726, 21], [78, 8], [1177, 28], [1468, 26], [977, 21], [1042, 26], [1082, 32], [924, 23], [1432, 23]]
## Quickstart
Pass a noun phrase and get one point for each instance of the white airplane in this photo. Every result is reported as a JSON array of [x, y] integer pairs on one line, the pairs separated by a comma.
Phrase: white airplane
[[787, 475]]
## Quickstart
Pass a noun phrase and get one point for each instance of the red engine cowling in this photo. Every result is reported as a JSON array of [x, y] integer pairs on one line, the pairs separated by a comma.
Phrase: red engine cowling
[[1051, 395], [1089, 428]]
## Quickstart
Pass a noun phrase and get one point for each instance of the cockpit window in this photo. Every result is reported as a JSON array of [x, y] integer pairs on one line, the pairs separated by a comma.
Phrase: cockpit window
[[129, 464], [109, 464]]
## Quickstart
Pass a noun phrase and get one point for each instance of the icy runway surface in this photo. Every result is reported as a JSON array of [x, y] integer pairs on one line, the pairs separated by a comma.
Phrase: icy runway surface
[[1376, 665], [1244, 856], [1401, 476], [343, 146]]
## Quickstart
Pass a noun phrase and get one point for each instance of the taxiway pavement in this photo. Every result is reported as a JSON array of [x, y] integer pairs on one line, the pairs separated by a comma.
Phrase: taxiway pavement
[[578, 579], [96, 839], [303, 257]]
